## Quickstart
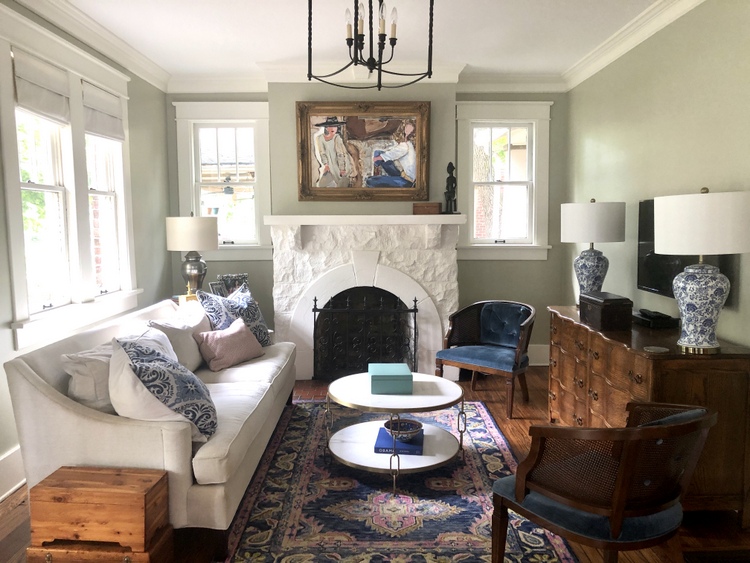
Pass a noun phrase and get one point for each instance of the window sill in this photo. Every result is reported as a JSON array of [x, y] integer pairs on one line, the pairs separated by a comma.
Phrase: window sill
[[502, 252], [231, 253], [53, 325]]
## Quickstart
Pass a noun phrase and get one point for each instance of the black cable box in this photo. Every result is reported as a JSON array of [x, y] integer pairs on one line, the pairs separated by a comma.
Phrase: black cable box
[[656, 321]]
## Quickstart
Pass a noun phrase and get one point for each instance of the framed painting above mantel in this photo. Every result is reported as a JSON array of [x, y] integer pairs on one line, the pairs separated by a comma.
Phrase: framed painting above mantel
[[363, 151]]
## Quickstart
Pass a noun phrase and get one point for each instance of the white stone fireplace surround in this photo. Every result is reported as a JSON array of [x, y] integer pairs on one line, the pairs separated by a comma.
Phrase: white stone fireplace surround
[[323, 255]]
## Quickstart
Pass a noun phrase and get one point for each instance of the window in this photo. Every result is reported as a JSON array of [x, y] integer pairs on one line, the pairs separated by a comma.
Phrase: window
[[503, 167], [224, 171], [64, 171]]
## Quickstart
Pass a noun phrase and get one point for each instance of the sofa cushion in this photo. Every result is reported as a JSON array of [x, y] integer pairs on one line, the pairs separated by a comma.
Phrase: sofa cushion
[[264, 370], [189, 320], [223, 311], [243, 410], [89, 369], [231, 346], [145, 384]]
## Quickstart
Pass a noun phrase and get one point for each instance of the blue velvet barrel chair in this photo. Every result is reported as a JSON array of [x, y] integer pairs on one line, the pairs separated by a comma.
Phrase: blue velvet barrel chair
[[490, 337], [615, 489]]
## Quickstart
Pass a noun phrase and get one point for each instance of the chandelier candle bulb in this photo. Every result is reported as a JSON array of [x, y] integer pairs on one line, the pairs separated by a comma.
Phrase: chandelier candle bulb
[[394, 21], [361, 22], [381, 19], [348, 16]]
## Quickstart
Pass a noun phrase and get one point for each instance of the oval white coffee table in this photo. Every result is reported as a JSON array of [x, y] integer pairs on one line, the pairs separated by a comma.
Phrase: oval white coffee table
[[355, 445]]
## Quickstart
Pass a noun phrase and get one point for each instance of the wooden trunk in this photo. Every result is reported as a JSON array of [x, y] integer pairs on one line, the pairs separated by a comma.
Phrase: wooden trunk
[[128, 507], [161, 551]]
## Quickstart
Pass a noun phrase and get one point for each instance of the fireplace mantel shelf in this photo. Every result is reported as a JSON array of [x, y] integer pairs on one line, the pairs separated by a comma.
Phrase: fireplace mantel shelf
[[434, 219]]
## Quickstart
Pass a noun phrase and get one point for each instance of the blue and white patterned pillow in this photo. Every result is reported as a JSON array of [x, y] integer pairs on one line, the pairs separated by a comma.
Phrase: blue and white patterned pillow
[[223, 311], [173, 385]]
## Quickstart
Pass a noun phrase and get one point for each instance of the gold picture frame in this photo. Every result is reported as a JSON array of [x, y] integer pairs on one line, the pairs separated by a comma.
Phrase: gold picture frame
[[368, 151]]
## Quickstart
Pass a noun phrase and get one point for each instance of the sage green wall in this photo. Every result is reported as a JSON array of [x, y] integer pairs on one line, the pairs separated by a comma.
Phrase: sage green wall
[[149, 179], [669, 117]]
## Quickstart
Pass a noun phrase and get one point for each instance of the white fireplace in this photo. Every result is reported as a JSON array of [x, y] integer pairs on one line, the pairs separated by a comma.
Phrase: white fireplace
[[319, 256]]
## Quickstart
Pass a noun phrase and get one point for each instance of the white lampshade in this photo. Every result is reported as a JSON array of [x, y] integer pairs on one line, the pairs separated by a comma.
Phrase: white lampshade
[[192, 233], [703, 224], [592, 222]]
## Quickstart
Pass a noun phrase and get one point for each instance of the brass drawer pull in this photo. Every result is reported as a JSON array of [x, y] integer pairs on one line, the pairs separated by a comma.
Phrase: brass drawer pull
[[593, 394], [579, 345], [552, 396], [638, 378], [579, 382], [595, 355], [553, 363]]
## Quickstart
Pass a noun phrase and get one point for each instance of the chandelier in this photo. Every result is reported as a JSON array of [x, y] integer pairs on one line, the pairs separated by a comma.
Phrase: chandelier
[[370, 55]]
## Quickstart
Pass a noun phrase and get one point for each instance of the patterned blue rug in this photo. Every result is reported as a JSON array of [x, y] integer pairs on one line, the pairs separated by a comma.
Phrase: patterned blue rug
[[304, 507]]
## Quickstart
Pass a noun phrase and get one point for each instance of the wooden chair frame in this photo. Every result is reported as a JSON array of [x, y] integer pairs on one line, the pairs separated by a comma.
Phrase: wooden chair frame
[[463, 330]]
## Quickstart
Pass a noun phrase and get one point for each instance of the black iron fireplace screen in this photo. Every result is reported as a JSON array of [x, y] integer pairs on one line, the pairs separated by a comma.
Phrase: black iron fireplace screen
[[363, 325]]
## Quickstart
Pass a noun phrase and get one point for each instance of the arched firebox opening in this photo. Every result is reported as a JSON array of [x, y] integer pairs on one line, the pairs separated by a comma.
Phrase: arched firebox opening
[[359, 326]]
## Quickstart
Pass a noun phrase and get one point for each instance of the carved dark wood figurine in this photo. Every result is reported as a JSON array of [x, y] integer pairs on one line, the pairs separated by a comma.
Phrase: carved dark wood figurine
[[450, 191]]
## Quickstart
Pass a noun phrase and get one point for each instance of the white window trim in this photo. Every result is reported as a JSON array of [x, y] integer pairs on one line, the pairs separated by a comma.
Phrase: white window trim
[[35, 330], [536, 113], [190, 113]]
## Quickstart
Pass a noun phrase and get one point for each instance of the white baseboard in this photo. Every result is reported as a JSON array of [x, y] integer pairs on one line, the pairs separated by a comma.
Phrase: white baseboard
[[11, 472]]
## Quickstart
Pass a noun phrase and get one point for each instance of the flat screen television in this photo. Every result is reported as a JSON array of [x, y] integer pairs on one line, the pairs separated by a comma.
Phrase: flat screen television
[[656, 271]]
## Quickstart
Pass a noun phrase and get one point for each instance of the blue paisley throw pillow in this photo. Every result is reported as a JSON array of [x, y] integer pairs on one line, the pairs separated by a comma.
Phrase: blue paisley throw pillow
[[175, 387], [222, 311]]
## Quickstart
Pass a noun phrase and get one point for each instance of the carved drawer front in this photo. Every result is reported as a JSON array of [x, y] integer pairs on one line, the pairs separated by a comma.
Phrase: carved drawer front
[[607, 402], [567, 403], [554, 361], [574, 339], [639, 380], [571, 372], [554, 400], [579, 417], [599, 351], [555, 330], [580, 382]]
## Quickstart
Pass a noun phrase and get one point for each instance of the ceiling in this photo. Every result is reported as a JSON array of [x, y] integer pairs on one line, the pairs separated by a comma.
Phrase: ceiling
[[180, 45]]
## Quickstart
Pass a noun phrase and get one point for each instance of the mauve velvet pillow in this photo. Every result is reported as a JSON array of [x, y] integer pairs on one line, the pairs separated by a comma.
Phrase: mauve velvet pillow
[[225, 348]]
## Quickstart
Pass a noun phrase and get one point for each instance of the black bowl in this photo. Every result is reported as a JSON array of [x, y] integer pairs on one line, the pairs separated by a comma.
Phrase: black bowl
[[404, 429]]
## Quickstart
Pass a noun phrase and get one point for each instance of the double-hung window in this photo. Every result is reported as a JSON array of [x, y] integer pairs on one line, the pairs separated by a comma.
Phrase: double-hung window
[[63, 125], [224, 172], [503, 179]]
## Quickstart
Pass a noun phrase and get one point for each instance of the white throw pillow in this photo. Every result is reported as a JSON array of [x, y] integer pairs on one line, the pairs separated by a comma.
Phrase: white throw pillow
[[147, 385], [190, 319], [89, 369]]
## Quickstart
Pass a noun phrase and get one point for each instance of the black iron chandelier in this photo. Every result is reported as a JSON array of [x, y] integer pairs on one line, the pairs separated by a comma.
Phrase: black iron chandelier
[[372, 58]]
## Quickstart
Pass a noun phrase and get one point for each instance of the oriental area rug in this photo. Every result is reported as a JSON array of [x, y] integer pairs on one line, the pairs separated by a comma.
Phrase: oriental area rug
[[302, 506]]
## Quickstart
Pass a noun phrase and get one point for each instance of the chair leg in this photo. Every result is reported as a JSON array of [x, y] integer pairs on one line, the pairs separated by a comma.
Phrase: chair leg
[[473, 380], [499, 533], [439, 368], [610, 556], [524, 387], [509, 388]]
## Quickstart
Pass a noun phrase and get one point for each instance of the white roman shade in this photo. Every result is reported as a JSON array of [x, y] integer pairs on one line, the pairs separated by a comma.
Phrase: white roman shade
[[41, 87], [102, 112]]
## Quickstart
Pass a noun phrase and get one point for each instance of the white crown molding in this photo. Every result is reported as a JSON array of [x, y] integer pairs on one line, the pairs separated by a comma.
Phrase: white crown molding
[[653, 19], [213, 84], [509, 83], [78, 24]]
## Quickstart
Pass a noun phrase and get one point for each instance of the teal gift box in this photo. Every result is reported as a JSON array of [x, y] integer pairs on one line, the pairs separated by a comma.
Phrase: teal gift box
[[390, 379]]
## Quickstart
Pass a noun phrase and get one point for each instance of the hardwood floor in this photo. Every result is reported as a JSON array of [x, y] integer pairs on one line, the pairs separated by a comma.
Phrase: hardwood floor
[[705, 536]]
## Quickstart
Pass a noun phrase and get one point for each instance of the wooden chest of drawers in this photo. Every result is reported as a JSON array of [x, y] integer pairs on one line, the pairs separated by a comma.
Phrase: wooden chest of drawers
[[593, 375]]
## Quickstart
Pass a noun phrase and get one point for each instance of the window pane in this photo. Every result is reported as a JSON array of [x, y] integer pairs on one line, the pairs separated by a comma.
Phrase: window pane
[[246, 154], [104, 246], [234, 206], [47, 270], [104, 164], [500, 154], [227, 154], [519, 165], [482, 142], [501, 212], [38, 142], [209, 158]]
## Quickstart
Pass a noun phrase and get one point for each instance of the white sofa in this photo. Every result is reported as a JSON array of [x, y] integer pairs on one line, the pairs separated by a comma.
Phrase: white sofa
[[206, 481]]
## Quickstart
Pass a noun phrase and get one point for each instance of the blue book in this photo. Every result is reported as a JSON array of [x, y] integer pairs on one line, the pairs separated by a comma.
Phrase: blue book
[[384, 444]]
